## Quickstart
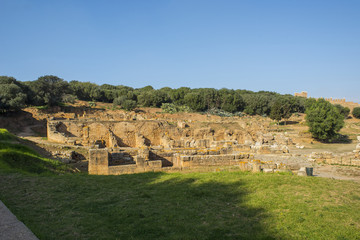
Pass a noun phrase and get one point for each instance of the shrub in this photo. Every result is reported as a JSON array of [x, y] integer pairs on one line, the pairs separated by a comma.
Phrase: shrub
[[129, 105], [125, 103], [172, 108], [356, 112]]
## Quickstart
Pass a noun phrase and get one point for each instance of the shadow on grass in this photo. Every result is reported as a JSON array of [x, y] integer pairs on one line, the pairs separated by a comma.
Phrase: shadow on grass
[[284, 123], [139, 206], [339, 138]]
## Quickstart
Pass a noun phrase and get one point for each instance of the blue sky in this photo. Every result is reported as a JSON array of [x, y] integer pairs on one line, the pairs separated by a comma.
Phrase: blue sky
[[274, 45]]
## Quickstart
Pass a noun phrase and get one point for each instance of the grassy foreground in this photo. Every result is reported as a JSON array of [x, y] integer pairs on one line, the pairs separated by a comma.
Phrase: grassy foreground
[[222, 205], [226, 205]]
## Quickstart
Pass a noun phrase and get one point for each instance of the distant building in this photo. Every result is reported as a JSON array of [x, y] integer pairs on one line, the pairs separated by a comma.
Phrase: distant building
[[302, 94]]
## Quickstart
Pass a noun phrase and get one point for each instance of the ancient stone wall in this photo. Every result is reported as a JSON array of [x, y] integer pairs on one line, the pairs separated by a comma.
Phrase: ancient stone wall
[[350, 158], [99, 162], [302, 94], [342, 101], [112, 133]]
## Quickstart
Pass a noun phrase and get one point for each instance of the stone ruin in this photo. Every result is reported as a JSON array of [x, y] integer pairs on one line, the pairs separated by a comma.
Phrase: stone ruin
[[301, 94], [348, 159], [131, 146]]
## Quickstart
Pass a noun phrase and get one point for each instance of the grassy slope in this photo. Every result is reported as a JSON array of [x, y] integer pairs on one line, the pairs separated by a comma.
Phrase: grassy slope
[[15, 157], [225, 205]]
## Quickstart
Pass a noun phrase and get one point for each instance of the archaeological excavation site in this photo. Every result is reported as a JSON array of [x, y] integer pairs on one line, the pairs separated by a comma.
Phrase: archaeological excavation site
[[113, 142]]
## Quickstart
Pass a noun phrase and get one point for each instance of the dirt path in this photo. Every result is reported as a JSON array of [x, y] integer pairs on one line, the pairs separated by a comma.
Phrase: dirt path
[[320, 170], [337, 172], [27, 131]]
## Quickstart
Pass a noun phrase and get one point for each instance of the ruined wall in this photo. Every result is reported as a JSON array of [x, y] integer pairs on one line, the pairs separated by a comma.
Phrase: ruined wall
[[350, 158], [112, 133], [53, 134], [302, 94], [99, 162], [211, 160], [146, 133]]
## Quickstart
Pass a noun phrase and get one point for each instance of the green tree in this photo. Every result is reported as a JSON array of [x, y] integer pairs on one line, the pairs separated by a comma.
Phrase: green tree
[[12, 96], [345, 111], [232, 102], [177, 95], [356, 112], [48, 90], [259, 103], [281, 108], [195, 101], [323, 119]]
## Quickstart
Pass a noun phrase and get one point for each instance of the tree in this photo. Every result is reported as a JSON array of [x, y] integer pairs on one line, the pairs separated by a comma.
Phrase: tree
[[259, 103], [323, 119], [194, 101], [12, 96], [281, 109], [48, 90], [232, 102], [343, 110], [177, 95], [356, 112]]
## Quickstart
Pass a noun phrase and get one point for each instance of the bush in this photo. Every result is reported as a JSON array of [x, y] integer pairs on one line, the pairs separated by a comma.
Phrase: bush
[[172, 108], [222, 113], [356, 112], [324, 120], [92, 104], [129, 105], [125, 103]]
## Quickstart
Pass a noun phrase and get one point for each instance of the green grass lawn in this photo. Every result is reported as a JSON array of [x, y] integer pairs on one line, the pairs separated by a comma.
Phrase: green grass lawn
[[225, 205], [221, 205]]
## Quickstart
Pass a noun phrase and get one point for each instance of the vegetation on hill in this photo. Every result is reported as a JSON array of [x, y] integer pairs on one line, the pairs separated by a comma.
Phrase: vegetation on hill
[[16, 157], [324, 119], [51, 90]]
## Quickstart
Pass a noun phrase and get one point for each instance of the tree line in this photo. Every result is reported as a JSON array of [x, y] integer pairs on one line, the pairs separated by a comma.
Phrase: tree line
[[51, 90]]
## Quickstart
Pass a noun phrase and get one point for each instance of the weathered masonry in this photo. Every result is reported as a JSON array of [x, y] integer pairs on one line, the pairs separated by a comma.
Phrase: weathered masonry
[[118, 147], [101, 162]]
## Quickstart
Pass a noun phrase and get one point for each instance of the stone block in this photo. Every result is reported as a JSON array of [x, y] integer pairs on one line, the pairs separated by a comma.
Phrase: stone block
[[244, 166], [155, 164], [305, 171], [140, 161], [355, 162], [256, 167], [98, 161]]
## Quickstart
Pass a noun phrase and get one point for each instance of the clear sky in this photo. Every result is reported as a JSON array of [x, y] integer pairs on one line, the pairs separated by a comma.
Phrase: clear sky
[[274, 45]]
